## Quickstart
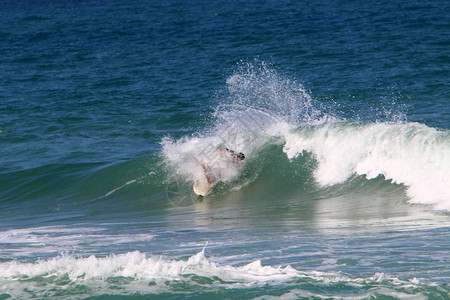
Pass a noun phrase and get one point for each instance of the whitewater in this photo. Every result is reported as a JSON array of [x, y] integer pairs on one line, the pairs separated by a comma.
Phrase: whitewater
[[143, 274]]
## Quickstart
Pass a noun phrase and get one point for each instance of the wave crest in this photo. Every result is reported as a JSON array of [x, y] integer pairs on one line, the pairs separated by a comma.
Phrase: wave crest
[[411, 154]]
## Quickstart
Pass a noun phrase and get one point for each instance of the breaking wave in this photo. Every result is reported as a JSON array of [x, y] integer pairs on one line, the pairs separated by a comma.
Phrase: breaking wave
[[263, 109]]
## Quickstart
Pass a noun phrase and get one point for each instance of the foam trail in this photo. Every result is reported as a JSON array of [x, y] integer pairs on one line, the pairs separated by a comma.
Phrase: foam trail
[[411, 154]]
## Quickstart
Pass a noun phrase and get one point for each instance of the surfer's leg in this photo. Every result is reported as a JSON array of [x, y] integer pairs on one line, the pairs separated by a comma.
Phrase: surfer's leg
[[206, 174]]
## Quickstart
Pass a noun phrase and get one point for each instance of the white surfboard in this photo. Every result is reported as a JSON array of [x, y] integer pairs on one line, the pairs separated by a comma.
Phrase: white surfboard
[[202, 188]]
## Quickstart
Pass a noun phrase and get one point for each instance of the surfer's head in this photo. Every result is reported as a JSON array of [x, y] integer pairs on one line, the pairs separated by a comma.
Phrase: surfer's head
[[239, 156]]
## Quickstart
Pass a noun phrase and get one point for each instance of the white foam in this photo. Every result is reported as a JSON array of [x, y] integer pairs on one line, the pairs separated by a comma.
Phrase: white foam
[[94, 272], [411, 154], [140, 269]]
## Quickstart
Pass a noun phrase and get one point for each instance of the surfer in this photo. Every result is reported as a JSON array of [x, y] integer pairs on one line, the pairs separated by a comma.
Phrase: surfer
[[237, 157]]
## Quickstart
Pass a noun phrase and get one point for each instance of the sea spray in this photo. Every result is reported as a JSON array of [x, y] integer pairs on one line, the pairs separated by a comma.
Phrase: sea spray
[[260, 87]]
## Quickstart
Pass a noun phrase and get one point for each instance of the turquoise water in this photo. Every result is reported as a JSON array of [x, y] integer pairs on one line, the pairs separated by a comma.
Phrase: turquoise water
[[108, 109]]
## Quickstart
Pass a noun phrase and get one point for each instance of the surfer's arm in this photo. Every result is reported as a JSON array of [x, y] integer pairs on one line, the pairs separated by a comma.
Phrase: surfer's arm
[[226, 149]]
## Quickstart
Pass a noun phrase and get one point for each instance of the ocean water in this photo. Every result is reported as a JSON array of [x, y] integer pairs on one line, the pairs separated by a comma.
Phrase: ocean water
[[108, 109]]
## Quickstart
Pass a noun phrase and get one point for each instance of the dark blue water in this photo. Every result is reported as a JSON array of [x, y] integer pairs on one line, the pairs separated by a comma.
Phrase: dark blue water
[[109, 108]]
